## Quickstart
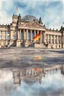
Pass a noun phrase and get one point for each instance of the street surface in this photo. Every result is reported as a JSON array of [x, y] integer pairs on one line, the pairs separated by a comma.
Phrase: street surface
[[24, 57]]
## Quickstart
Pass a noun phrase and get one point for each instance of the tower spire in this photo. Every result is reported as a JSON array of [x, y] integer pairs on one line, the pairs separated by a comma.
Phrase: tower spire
[[40, 20]]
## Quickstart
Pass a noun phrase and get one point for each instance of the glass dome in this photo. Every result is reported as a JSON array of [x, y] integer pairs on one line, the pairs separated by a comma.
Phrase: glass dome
[[29, 18]]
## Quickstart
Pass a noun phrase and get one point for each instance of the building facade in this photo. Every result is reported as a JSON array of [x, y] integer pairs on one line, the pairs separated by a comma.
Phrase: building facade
[[21, 31]]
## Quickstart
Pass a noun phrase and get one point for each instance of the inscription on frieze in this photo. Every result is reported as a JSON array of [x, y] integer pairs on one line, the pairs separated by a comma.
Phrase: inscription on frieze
[[30, 24]]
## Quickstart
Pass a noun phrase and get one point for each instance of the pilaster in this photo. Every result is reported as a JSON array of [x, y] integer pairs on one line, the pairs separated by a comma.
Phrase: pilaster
[[11, 37], [18, 43]]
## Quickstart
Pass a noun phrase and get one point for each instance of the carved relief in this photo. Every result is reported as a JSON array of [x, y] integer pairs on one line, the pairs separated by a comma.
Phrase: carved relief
[[30, 24]]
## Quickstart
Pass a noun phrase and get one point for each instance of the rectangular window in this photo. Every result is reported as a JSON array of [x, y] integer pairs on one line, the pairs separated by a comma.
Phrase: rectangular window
[[59, 39], [28, 35], [3, 35], [55, 41], [0, 32], [52, 39], [15, 38], [46, 38], [8, 38], [0, 37], [49, 39], [22, 35], [32, 34], [8, 32]]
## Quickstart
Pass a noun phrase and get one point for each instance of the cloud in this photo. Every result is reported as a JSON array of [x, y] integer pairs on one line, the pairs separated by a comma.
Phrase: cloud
[[63, 1], [4, 18], [50, 85], [3, 74], [47, 9]]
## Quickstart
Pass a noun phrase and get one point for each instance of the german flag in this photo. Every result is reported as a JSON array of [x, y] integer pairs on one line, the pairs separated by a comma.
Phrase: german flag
[[37, 37]]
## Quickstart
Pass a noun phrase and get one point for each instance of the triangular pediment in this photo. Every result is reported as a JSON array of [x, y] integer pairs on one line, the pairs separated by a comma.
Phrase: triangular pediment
[[31, 25]]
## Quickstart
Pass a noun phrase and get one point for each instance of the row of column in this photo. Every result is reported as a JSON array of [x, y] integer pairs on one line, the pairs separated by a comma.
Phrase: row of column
[[54, 39], [30, 72], [4, 35], [26, 35]]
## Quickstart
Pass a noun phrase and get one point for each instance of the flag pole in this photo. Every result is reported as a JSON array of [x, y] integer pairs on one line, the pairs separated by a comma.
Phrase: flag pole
[[16, 10]]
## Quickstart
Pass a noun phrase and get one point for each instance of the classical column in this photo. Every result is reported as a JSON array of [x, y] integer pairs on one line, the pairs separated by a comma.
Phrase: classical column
[[63, 39], [54, 39], [21, 35], [18, 35], [44, 35], [60, 39], [6, 38], [37, 31], [18, 44], [2, 35], [40, 36], [26, 34], [31, 34], [34, 32], [11, 35], [57, 40], [51, 39], [48, 39], [5, 35]]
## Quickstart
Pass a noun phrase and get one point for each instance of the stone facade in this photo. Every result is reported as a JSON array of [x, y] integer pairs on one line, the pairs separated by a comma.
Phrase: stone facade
[[20, 33]]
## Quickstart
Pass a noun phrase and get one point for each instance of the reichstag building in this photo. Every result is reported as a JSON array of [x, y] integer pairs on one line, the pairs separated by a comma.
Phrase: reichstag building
[[22, 30]]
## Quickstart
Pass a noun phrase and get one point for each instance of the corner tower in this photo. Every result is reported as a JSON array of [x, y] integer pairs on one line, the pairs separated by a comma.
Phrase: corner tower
[[14, 29], [62, 36]]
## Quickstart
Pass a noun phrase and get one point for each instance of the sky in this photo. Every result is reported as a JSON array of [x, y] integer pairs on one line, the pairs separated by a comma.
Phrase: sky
[[51, 11]]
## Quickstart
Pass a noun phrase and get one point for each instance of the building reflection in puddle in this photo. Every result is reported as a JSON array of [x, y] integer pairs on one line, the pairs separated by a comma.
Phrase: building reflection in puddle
[[34, 74], [31, 82]]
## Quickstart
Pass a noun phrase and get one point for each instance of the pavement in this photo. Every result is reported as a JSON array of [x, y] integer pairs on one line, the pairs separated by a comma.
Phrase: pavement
[[24, 57]]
